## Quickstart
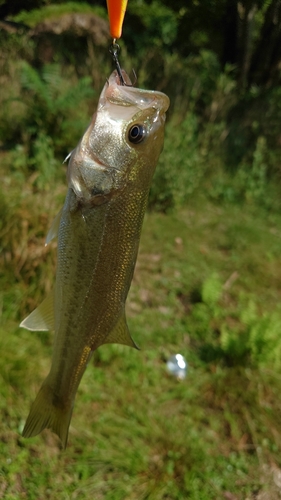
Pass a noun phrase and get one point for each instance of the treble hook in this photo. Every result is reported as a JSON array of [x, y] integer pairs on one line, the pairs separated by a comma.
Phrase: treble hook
[[114, 50]]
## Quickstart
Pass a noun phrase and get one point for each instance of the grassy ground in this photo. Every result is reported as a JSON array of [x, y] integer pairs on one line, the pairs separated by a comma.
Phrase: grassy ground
[[207, 285]]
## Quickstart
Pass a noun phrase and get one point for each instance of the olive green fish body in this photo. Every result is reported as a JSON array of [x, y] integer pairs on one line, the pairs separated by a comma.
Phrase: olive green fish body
[[109, 176]]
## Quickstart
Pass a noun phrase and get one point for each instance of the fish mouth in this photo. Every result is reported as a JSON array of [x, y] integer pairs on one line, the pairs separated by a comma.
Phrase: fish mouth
[[127, 95]]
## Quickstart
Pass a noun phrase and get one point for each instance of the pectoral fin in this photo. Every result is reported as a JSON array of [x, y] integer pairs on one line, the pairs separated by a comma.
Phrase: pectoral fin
[[53, 231], [42, 318], [120, 334]]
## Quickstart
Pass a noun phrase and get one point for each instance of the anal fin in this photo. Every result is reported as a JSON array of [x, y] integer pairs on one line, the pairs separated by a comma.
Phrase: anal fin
[[120, 334]]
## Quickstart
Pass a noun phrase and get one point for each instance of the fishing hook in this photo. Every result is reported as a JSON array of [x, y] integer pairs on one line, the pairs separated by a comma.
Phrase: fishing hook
[[114, 50]]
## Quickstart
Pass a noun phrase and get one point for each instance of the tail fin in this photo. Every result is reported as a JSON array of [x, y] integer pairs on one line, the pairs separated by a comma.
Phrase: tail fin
[[44, 414]]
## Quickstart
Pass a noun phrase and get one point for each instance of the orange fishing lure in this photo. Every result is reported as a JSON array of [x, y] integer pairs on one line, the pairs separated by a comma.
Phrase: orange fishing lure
[[116, 12]]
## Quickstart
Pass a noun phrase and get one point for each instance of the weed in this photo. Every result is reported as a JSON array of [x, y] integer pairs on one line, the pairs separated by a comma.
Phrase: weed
[[178, 173], [136, 432]]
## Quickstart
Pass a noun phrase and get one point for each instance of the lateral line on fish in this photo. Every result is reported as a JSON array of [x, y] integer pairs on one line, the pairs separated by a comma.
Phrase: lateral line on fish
[[99, 253]]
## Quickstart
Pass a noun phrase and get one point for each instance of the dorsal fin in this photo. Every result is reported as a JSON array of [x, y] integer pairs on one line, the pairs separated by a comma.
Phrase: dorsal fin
[[120, 334], [53, 231], [42, 318]]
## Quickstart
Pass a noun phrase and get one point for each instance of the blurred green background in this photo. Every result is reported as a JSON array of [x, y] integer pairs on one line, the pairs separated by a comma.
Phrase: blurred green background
[[208, 278]]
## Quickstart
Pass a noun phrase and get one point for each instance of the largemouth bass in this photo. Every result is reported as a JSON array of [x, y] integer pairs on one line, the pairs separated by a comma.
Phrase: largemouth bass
[[98, 229]]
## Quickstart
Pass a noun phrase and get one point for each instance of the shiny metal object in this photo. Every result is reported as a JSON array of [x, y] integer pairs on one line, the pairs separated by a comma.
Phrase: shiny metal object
[[177, 366]]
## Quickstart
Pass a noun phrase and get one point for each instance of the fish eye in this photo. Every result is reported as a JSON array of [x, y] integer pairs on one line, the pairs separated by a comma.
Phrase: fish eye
[[136, 134]]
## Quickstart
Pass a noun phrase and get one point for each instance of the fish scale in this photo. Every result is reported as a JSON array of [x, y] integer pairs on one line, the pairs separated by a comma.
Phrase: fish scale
[[109, 176]]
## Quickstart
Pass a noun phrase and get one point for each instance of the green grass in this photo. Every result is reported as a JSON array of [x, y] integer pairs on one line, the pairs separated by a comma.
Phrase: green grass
[[207, 285]]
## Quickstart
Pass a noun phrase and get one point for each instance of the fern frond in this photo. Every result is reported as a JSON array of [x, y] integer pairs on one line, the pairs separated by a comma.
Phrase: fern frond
[[73, 95], [31, 81]]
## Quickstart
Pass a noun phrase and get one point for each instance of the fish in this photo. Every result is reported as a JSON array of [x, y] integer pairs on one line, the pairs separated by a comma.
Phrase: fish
[[109, 175]]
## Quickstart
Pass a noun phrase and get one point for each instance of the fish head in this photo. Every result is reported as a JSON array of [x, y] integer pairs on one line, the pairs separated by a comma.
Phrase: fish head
[[122, 143]]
